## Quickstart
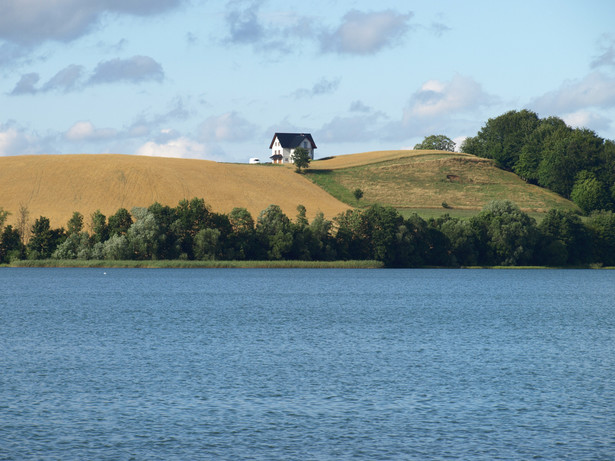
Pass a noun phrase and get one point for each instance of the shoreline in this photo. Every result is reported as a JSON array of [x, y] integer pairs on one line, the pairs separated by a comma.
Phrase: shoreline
[[180, 264]]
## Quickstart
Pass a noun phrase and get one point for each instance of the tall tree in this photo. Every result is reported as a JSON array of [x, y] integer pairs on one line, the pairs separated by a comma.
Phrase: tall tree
[[75, 224], [11, 246], [274, 232], [120, 222], [508, 233], [503, 137], [44, 240], [589, 193], [436, 142], [301, 159], [100, 230]]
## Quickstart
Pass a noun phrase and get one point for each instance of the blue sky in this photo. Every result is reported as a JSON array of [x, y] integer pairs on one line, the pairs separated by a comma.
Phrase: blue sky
[[215, 79]]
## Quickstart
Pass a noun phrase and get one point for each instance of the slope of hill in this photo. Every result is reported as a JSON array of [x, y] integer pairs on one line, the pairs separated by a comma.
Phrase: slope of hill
[[55, 186], [423, 180]]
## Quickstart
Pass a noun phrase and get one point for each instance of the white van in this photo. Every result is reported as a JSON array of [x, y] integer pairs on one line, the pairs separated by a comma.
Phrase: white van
[[254, 160]]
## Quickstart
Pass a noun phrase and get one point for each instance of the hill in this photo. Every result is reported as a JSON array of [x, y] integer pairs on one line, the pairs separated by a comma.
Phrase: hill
[[55, 186], [411, 181], [422, 180]]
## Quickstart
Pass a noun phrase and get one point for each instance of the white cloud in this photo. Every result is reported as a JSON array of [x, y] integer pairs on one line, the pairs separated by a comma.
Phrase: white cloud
[[595, 90], [587, 119], [180, 147], [14, 140], [366, 33], [85, 131], [436, 98], [227, 127]]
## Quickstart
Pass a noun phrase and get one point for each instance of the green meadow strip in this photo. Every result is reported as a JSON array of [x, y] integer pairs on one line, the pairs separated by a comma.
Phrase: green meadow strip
[[178, 264]]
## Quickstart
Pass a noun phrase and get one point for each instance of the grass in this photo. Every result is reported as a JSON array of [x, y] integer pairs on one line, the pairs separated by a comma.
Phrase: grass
[[177, 264], [421, 181]]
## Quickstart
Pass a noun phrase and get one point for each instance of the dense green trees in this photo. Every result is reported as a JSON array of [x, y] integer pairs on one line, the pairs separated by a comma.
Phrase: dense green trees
[[575, 163], [501, 234]]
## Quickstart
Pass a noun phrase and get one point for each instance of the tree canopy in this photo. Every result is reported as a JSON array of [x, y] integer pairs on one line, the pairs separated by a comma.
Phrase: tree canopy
[[436, 142], [301, 158], [573, 162], [501, 234]]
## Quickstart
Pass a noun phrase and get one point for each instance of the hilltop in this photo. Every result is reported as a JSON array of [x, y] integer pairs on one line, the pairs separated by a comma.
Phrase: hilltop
[[423, 180], [55, 186]]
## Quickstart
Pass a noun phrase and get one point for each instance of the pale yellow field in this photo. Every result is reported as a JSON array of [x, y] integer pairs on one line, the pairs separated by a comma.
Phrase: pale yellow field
[[366, 158], [57, 185]]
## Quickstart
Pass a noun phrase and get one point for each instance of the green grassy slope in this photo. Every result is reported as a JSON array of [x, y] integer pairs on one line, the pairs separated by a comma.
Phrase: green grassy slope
[[422, 181]]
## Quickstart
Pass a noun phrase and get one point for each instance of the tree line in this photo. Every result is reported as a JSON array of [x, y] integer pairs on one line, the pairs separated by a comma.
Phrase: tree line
[[501, 234], [573, 162]]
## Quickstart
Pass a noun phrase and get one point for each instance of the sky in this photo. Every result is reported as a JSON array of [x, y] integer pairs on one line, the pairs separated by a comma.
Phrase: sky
[[215, 79]]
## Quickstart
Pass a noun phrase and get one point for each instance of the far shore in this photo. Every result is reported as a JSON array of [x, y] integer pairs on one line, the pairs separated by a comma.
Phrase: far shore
[[181, 264]]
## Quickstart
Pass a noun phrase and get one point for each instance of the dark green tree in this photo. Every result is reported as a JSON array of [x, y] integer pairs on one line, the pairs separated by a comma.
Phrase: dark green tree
[[167, 245], [532, 151], [589, 193], [44, 240], [563, 239], [502, 138], [436, 142], [100, 230], [120, 222], [350, 242], [462, 240], [243, 237], [509, 234], [11, 247], [207, 244], [358, 194], [75, 224], [322, 245], [274, 233], [602, 227], [192, 217], [301, 159]]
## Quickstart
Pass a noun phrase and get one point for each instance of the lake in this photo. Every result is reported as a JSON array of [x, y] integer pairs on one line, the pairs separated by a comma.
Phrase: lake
[[306, 364]]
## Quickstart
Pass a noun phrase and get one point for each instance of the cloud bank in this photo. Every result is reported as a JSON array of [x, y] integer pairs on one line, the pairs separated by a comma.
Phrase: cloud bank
[[31, 22]]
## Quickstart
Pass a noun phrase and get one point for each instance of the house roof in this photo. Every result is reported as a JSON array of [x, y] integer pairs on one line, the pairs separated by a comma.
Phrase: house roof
[[292, 140]]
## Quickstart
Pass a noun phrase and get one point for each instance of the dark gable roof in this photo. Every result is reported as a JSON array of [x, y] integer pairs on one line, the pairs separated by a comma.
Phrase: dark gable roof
[[292, 140]]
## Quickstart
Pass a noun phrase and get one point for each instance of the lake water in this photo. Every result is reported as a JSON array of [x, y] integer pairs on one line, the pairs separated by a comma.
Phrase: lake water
[[306, 364]]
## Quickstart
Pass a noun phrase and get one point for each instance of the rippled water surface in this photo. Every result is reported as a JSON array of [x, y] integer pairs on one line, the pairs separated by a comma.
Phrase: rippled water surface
[[306, 364]]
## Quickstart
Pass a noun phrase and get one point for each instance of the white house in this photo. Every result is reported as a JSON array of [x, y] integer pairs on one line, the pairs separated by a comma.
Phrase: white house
[[283, 146]]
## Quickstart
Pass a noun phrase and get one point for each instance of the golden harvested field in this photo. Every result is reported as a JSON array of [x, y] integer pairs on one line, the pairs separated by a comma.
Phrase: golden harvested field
[[421, 180], [55, 186]]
